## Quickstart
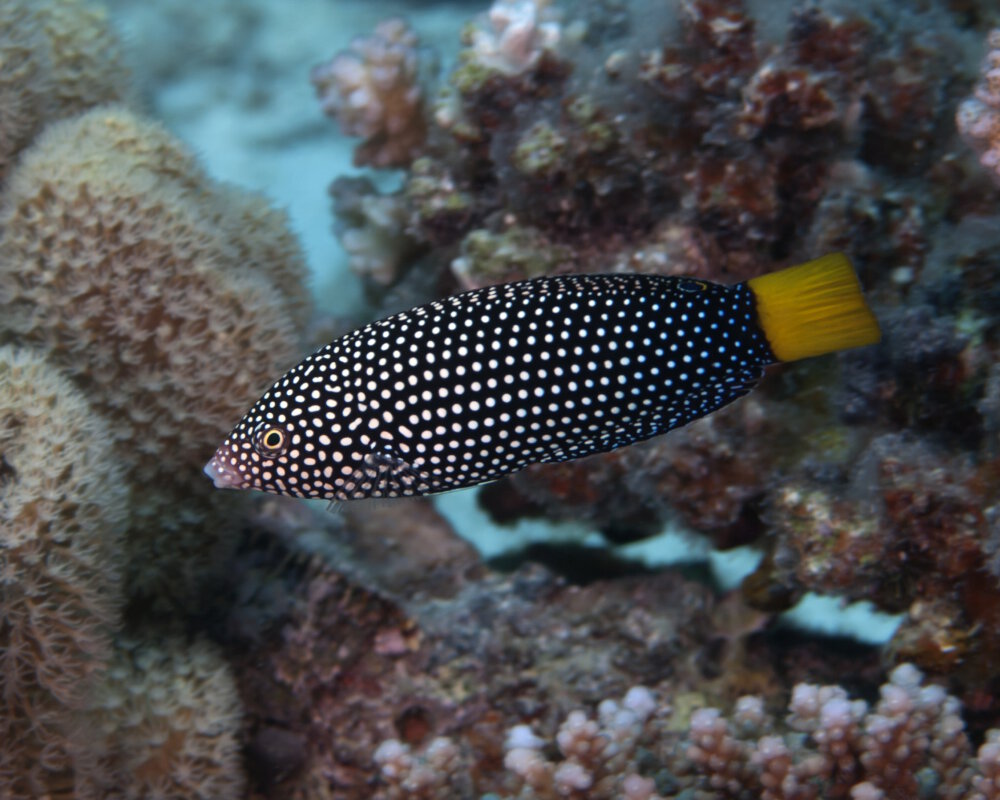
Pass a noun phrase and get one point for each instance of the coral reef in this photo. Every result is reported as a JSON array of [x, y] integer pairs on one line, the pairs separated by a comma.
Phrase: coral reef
[[911, 744], [62, 520], [714, 153], [720, 144], [59, 57], [145, 648], [332, 666], [978, 117], [373, 91], [525, 687]]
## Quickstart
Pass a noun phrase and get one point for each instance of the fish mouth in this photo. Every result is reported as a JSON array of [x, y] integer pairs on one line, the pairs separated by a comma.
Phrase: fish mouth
[[222, 475]]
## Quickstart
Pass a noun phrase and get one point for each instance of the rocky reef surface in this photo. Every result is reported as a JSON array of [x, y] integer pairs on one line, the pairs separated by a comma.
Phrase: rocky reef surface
[[162, 639]]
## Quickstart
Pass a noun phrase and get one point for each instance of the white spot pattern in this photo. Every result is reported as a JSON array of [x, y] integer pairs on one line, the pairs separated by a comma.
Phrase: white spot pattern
[[462, 391]]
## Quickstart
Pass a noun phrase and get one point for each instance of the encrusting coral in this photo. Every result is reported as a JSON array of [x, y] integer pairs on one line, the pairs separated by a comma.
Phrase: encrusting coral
[[59, 58], [62, 520], [167, 299]]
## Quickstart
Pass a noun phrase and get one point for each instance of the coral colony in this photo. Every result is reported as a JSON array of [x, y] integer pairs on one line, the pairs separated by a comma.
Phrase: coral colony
[[978, 117], [162, 639]]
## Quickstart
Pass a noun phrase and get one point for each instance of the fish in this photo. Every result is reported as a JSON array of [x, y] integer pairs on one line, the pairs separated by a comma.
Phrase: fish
[[466, 389]]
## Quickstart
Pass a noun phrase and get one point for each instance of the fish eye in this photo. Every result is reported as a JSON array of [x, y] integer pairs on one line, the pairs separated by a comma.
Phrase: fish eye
[[269, 440], [691, 285]]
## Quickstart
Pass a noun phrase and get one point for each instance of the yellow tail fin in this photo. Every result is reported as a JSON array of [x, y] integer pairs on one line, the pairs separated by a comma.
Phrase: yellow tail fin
[[814, 308]]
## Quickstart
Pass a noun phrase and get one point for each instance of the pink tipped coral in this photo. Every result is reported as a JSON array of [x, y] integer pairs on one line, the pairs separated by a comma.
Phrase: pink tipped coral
[[599, 755], [519, 32], [836, 747], [987, 782], [373, 91], [978, 117]]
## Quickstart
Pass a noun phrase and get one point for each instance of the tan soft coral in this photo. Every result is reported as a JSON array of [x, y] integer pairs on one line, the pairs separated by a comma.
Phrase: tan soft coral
[[170, 300], [62, 514], [163, 723], [59, 58]]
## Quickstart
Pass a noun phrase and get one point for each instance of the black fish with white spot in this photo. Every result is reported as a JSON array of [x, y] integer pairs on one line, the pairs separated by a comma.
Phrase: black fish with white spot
[[464, 390]]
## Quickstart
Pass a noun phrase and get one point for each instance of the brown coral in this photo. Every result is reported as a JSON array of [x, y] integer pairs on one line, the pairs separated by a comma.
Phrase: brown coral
[[59, 57], [164, 722], [912, 739], [62, 514], [374, 91], [908, 534], [109, 224], [170, 301]]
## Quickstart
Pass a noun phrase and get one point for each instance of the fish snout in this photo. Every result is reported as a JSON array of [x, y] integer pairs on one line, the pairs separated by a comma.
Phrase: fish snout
[[222, 474]]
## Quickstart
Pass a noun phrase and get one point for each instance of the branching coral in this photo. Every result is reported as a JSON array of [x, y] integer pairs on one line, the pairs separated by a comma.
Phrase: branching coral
[[715, 133], [911, 743], [599, 756], [978, 117], [434, 774], [513, 38], [373, 90], [59, 57], [372, 228], [62, 515]]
